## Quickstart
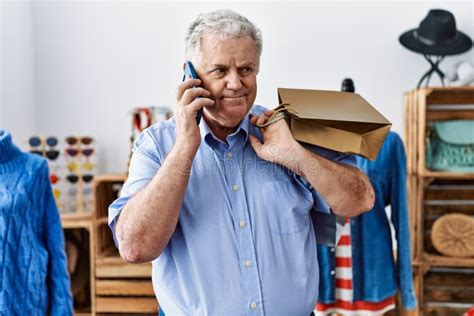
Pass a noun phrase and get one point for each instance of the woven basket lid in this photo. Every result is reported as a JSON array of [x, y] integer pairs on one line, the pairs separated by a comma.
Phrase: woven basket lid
[[453, 235]]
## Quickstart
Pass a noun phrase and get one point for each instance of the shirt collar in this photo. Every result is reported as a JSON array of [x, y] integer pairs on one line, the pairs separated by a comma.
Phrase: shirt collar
[[208, 136]]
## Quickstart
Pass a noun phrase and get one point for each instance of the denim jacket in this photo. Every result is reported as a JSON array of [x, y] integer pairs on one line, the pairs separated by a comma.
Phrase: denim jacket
[[376, 274]]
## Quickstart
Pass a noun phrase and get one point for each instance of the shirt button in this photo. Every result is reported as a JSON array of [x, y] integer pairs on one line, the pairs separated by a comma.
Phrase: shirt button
[[229, 154], [332, 249], [242, 224], [333, 272], [235, 187], [253, 305], [248, 263]]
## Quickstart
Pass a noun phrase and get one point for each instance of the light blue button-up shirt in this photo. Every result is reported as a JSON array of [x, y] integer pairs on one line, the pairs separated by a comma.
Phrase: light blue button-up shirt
[[245, 243]]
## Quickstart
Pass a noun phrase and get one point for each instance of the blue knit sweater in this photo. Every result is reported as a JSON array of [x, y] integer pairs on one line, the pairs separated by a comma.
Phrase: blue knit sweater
[[33, 273]]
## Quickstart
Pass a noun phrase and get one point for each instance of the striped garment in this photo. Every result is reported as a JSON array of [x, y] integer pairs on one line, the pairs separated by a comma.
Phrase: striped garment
[[344, 295]]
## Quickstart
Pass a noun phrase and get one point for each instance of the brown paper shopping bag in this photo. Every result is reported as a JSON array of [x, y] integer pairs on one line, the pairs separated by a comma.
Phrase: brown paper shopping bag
[[340, 121]]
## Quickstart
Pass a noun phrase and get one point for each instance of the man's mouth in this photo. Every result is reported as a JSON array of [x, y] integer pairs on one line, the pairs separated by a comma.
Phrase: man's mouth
[[233, 97], [234, 101]]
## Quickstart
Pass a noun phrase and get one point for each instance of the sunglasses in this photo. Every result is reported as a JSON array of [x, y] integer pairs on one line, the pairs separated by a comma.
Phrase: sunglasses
[[72, 190], [74, 166], [73, 178], [87, 190], [35, 141], [56, 193], [53, 178], [75, 151], [50, 154], [71, 140]]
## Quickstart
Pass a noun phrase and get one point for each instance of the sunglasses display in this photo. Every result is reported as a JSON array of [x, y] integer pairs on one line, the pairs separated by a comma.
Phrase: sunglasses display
[[79, 154], [71, 163], [47, 147]]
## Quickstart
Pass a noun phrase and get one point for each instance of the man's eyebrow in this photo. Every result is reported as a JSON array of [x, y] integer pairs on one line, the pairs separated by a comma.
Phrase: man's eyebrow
[[218, 66], [248, 64]]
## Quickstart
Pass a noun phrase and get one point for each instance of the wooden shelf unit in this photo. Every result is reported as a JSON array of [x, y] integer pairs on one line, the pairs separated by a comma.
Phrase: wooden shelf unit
[[443, 284], [84, 302], [119, 287]]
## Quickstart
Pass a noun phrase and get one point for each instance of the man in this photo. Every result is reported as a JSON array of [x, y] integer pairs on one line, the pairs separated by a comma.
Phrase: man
[[223, 208]]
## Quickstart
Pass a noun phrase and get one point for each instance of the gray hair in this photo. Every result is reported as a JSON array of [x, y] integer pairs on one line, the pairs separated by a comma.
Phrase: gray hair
[[226, 23]]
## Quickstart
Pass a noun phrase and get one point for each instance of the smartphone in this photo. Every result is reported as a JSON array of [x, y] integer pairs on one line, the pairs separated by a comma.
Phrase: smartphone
[[189, 71]]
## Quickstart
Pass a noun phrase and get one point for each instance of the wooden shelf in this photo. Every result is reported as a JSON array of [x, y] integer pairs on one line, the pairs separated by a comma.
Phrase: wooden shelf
[[127, 305], [102, 221], [447, 175], [110, 178], [75, 216], [115, 267], [108, 287], [73, 223], [443, 261], [449, 89], [445, 309]]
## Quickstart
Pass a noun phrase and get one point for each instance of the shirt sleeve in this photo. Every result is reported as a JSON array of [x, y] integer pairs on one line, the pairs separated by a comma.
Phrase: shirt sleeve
[[325, 223], [144, 164], [60, 297], [399, 205], [320, 205]]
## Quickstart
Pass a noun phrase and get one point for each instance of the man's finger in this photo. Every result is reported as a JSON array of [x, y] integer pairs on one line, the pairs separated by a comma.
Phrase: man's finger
[[269, 112], [199, 103], [256, 144], [193, 93], [261, 119], [188, 83], [253, 119]]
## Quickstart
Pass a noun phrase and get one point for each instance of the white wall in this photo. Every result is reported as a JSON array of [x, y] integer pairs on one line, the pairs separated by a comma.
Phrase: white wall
[[95, 61], [17, 103]]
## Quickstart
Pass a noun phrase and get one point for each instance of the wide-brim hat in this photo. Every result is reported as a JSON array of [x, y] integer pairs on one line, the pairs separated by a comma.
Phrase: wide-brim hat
[[437, 35]]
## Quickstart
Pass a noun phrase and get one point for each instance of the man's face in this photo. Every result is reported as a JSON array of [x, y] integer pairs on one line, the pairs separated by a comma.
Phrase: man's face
[[228, 69]]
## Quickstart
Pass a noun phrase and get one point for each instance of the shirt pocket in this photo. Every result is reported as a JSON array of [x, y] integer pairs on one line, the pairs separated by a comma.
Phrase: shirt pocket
[[286, 207]]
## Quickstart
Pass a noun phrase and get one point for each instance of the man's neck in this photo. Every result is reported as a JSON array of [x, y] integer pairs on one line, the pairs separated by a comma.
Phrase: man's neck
[[219, 131]]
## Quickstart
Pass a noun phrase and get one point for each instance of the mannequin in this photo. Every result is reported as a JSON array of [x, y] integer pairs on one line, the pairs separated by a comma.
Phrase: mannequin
[[33, 274], [360, 276]]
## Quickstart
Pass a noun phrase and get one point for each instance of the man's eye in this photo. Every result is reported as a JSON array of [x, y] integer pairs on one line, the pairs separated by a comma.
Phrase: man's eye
[[246, 70], [219, 71]]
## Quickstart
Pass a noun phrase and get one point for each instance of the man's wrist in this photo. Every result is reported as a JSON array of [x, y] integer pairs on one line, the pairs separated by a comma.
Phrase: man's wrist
[[297, 158], [186, 147]]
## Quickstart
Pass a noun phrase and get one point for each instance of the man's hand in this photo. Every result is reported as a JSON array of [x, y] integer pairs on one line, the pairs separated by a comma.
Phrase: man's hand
[[347, 190], [278, 146], [189, 101]]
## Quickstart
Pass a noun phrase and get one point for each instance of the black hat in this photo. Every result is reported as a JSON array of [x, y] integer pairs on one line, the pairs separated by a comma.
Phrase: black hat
[[437, 35]]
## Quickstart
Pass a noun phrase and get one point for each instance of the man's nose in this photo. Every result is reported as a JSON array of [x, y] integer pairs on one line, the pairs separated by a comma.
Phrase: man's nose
[[234, 82]]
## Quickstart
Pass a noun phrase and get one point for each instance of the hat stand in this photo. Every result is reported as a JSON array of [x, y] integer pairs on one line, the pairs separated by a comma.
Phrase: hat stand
[[434, 62]]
